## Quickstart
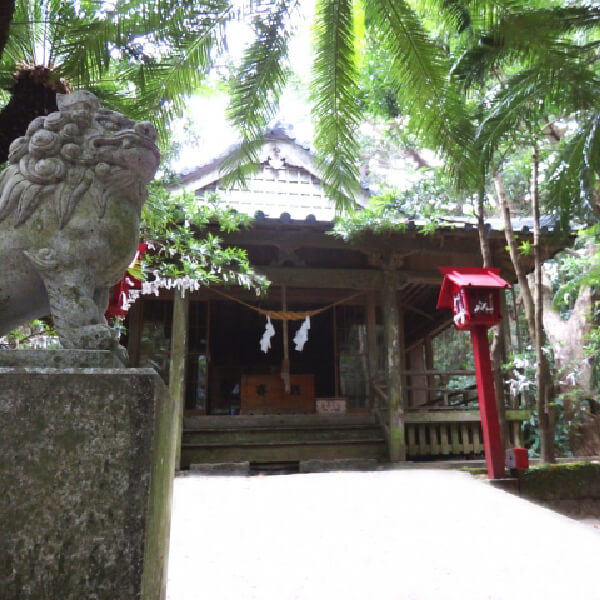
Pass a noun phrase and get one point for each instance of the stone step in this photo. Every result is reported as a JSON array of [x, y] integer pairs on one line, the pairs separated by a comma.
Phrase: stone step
[[278, 451], [292, 434], [229, 468], [340, 464], [201, 422]]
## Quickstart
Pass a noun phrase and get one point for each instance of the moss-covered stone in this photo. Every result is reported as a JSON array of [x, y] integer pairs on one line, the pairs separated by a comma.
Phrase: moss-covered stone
[[572, 481], [475, 470], [86, 477]]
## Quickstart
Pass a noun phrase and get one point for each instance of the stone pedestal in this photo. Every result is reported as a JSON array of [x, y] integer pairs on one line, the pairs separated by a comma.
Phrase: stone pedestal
[[86, 475]]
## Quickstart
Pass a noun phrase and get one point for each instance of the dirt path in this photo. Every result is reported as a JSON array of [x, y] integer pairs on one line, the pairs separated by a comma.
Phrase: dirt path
[[405, 535]]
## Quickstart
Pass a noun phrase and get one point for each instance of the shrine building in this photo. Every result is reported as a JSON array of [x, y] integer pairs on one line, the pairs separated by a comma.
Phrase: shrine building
[[357, 379]]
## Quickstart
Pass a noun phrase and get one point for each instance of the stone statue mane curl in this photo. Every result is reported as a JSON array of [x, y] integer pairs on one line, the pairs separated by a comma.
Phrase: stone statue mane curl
[[70, 204]]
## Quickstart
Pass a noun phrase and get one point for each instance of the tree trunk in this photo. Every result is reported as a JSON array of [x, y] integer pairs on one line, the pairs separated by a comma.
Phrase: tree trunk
[[568, 337], [514, 255], [484, 242], [7, 9], [542, 367], [497, 348], [543, 375]]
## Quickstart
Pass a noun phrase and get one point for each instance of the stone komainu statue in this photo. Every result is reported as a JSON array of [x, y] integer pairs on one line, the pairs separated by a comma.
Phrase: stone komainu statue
[[70, 204]]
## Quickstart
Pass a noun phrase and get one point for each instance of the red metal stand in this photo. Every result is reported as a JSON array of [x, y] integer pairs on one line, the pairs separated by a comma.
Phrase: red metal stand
[[492, 441]]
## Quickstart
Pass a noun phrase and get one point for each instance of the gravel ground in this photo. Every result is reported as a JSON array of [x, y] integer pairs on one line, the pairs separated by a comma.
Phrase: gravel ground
[[409, 535]]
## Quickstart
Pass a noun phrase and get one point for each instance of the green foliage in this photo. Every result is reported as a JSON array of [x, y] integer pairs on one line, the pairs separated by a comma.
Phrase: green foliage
[[141, 58], [429, 201], [376, 95], [430, 198], [577, 270], [419, 75], [180, 256], [35, 334], [526, 248], [537, 65], [378, 220], [452, 351]]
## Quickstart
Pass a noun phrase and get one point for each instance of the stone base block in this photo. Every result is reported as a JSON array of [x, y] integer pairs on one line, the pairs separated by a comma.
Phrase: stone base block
[[60, 359], [86, 473], [236, 468], [340, 464]]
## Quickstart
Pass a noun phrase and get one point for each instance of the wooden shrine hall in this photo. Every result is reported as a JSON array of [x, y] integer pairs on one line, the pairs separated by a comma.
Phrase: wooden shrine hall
[[362, 382]]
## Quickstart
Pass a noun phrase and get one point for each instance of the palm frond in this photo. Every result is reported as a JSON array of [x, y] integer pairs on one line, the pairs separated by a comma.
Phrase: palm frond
[[256, 88], [84, 54], [21, 43], [419, 73], [162, 84], [573, 185], [163, 35], [334, 91], [525, 36], [532, 94], [242, 162]]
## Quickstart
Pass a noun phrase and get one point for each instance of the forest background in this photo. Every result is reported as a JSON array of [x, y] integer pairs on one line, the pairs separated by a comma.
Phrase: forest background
[[448, 108]]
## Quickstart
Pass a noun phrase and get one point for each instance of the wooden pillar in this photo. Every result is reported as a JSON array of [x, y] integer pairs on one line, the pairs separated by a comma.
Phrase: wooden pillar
[[135, 322], [419, 394], [336, 355], [285, 366], [429, 366], [371, 315], [179, 345], [395, 365]]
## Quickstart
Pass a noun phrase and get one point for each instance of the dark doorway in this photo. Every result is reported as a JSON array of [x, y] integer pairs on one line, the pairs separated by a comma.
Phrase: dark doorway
[[235, 351]]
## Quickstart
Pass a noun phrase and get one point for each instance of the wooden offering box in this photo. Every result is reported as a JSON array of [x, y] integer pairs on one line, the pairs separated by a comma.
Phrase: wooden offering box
[[265, 395]]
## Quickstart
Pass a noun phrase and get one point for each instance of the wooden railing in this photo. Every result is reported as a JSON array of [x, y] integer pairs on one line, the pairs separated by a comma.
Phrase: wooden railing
[[436, 391], [457, 432], [447, 422]]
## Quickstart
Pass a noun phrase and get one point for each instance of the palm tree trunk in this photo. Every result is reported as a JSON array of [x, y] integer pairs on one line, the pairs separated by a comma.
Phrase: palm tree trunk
[[32, 95], [7, 9]]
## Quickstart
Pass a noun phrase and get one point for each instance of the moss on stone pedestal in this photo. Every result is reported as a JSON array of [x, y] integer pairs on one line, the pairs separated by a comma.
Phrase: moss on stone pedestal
[[86, 477]]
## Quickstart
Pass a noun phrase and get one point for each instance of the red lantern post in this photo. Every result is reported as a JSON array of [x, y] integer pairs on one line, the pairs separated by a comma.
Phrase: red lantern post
[[473, 295]]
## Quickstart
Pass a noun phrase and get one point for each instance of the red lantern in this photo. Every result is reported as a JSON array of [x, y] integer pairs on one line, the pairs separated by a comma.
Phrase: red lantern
[[473, 295]]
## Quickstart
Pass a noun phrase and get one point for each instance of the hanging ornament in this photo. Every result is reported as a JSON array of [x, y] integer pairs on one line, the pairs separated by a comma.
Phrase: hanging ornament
[[301, 336], [265, 340]]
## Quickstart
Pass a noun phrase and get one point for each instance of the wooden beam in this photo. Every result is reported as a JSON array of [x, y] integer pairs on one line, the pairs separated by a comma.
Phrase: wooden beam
[[302, 236], [179, 345], [350, 279], [429, 329], [336, 356], [135, 321], [453, 416], [428, 347], [417, 311]]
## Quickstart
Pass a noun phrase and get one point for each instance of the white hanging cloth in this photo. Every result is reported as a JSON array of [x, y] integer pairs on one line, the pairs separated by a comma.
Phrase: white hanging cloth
[[265, 340], [301, 336]]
